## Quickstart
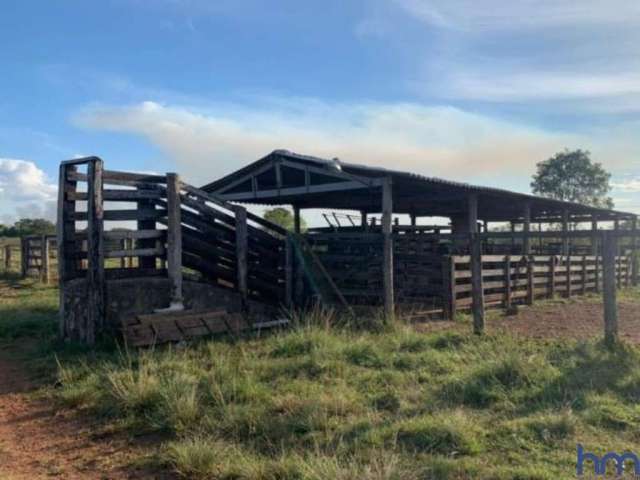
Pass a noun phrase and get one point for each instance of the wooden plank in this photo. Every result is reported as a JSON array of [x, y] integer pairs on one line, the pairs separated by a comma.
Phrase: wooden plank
[[449, 287], [114, 175], [95, 265], [609, 247], [136, 252], [135, 234]]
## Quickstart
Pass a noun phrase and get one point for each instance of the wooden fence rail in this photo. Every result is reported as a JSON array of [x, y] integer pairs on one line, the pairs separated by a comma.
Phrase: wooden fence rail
[[510, 279]]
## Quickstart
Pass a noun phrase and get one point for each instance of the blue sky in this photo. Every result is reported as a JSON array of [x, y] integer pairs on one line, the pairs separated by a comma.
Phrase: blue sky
[[477, 91]]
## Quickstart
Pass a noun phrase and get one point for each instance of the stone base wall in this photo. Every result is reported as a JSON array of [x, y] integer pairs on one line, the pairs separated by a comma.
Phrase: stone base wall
[[126, 298]]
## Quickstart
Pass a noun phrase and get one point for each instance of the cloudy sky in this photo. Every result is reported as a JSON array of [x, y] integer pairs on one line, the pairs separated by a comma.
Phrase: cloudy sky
[[477, 91]]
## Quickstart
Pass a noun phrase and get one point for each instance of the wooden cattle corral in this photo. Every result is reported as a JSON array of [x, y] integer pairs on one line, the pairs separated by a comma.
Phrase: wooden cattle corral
[[383, 258], [374, 259]]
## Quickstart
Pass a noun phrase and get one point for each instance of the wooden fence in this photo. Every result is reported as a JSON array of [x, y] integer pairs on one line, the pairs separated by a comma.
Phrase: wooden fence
[[35, 256], [160, 226], [510, 279]]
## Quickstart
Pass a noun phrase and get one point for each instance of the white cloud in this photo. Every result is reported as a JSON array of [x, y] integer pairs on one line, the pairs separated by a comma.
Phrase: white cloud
[[572, 55], [518, 14], [440, 141], [627, 186], [25, 190]]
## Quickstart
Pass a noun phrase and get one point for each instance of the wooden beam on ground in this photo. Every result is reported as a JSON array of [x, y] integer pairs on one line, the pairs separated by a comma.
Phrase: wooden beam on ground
[[387, 267], [174, 240], [609, 250]]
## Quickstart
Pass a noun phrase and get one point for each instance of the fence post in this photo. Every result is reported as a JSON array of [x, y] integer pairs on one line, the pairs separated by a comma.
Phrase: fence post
[[449, 286], [568, 275], [24, 259], [552, 276], [477, 289], [288, 271], [174, 241], [584, 274], [609, 247], [46, 266], [95, 252], [507, 282], [387, 265], [242, 246], [618, 269], [530, 280], [634, 252], [7, 258]]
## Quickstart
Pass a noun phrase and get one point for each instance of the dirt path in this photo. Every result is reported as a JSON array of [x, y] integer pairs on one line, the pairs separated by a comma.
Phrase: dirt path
[[39, 441], [581, 320]]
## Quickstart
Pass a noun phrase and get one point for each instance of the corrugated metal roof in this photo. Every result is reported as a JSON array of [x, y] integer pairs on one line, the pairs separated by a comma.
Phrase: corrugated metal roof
[[370, 171]]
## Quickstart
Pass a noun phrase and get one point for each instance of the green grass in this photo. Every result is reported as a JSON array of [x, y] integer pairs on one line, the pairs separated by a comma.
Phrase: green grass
[[343, 403]]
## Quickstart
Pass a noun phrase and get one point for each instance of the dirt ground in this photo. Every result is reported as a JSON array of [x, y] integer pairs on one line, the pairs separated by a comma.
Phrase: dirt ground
[[39, 441], [576, 319]]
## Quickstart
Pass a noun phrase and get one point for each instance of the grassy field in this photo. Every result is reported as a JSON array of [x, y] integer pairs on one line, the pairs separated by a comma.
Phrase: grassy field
[[340, 403]]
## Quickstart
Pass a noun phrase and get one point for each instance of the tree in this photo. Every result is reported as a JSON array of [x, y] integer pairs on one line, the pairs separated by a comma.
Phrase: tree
[[33, 226], [572, 176], [283, 217]]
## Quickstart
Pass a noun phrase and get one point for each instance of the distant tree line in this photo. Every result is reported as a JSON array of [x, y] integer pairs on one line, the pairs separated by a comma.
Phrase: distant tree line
[[28, 226]]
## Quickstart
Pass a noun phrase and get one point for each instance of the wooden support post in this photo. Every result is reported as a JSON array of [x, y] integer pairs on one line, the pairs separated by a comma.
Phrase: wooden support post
[[618, 269], [242, 252], [95, 254], [609, 247], [635, 257], [597, 274], [387, 267], [552, 276], [24, 256], [526, 227], [512, 226], [477, 289], [174, 241], [507, 282], [46, 265], [594, 237], [7, 258], [568, 275], [530, 281], [566, 248], [123, 246], [584, 275], [472, 213], [288, 271], [296, 219], [65, 241], [363, 219], [413, 220], [449, 287]]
